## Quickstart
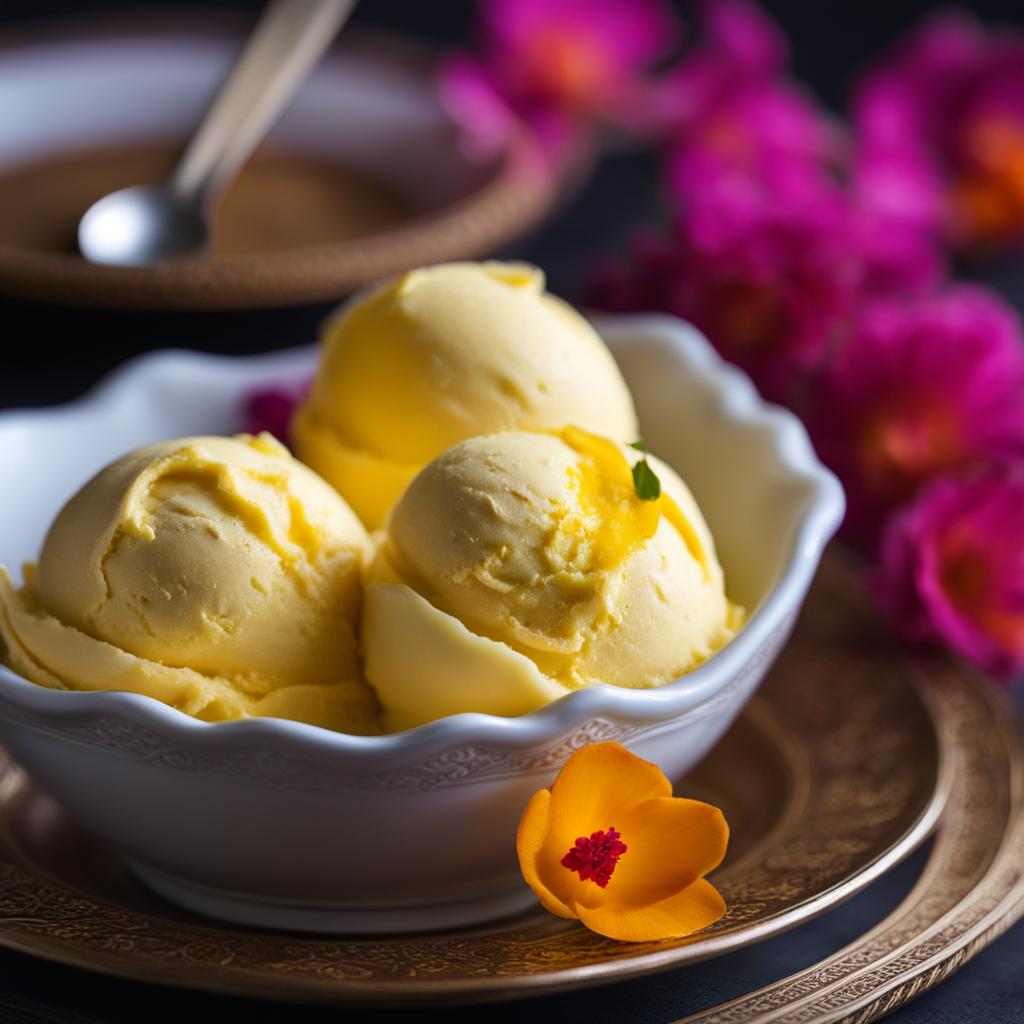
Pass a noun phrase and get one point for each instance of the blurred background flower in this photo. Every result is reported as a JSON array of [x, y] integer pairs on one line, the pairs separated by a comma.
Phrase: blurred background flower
[[565, 66], [919, 388], [728, 110], [953, 93], [952, 567], [770, 283], [272, 409]]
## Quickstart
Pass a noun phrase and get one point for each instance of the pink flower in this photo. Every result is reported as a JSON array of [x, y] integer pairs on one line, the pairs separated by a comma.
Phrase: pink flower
[[919, 389], [910, 94], [558, 63], [952, 567], [953, 93], [770, 284], [900, 185], [770, 143], [474, 104], [739, 32], [271, 409], [727, 109], [472, 97], [900, 209], [898, 260], [765, 132], [739, 45], [574, 54]]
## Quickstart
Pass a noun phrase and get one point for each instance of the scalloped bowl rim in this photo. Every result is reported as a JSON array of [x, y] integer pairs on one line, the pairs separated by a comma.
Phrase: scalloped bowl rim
[[735, 400]]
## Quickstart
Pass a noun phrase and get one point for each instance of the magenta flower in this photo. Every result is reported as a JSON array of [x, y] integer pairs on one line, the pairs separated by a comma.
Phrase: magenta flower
[[574, 54], [918, 389], [560, 63], [909, 95], [768, 141], [900, 185], [897, 260], [739, 31], [728, 110], [770, 284], [271, 409], [767, 133], [900, 209], [739, 46], [953, 93], [952, 567], [484, 118]]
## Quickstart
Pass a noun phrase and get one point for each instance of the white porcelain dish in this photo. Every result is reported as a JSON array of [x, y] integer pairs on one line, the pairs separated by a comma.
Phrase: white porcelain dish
[[282, 824], [370, 105]]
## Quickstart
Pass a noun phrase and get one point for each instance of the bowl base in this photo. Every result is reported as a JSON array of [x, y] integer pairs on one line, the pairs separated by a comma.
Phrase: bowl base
[[319, 916]]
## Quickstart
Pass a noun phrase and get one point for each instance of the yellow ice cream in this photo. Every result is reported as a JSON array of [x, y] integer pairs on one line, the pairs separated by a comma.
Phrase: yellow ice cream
[[445, 353], [520, 566], [218, 575]]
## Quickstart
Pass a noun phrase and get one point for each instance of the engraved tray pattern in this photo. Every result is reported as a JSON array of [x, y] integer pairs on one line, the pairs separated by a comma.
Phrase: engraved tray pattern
[[970, 892]]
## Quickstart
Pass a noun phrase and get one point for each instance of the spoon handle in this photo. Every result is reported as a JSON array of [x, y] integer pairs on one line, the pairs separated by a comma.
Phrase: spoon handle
[[288, 40]]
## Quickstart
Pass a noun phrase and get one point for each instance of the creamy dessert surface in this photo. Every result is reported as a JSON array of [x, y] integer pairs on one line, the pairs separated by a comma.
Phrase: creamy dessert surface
[[441, 354], [218, 575]]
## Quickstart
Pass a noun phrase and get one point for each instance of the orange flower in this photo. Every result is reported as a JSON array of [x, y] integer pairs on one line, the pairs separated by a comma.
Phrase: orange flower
[[609, 844]]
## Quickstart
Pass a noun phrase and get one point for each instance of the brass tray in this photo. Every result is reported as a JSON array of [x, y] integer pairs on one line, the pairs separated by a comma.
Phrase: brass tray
[[970, 891], [838, 769]]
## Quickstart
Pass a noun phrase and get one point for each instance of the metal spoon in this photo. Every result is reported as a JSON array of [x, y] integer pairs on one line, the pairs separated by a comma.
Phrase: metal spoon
[[150, 223]]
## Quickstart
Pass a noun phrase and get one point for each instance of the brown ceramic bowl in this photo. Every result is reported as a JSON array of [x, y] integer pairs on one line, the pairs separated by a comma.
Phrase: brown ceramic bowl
[[366, 174]]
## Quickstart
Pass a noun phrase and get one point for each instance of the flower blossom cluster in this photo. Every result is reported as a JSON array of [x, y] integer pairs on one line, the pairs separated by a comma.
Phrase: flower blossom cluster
[[781, 227], [561, 66], [815, 253], [949, 99]]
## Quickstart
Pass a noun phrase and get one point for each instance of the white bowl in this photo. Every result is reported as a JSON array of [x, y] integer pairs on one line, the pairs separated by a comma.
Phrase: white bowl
[[370, 105], [282, 824]]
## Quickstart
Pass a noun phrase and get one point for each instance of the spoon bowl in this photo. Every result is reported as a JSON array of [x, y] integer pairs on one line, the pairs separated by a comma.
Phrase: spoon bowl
[[143, 224]]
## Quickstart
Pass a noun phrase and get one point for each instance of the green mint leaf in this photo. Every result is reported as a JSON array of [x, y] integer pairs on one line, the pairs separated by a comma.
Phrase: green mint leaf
[[638, 445], [646, 482]]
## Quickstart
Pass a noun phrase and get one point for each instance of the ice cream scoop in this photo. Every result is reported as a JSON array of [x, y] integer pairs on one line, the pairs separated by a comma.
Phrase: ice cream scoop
[[219, 575], [441, 354], [520, 566]]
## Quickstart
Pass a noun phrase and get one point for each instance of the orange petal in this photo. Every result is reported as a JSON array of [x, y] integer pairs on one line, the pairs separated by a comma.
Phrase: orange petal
[[533, 827], [596, 789], [670, 843], [696, 907]]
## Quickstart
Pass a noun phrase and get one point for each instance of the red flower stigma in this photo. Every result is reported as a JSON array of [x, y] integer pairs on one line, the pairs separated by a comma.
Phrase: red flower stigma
[[595, 858]]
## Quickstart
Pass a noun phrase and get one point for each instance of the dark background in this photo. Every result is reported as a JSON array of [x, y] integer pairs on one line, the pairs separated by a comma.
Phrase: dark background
[[68, 350], [831, 41]]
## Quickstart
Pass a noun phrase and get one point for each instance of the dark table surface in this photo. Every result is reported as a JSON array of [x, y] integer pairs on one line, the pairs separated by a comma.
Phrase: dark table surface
[[988, 989], [72, 349]]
